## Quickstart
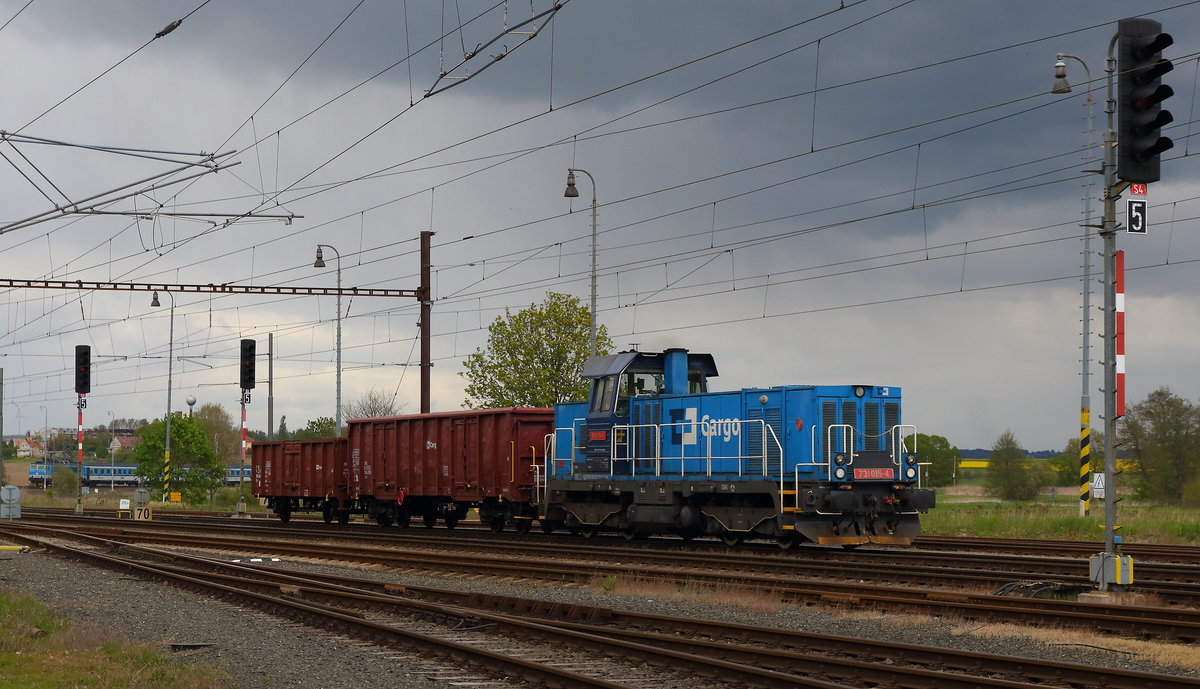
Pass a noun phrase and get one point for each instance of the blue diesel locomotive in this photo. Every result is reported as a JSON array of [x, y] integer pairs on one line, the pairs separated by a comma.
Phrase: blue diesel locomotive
[[653, 451]]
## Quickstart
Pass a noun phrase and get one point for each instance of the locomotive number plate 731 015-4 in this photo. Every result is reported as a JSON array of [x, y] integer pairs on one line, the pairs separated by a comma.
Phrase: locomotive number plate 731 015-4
[[885, 474]]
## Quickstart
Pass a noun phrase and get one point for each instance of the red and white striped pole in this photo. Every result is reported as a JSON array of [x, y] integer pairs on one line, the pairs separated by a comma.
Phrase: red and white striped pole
[[79, 457], [1120, 308]]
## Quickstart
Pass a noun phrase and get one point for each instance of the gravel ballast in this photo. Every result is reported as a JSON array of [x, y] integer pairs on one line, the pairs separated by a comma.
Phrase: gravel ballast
[[262, 651]]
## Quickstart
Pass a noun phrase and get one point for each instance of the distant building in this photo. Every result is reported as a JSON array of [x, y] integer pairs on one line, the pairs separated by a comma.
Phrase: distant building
[[30, 448], [123, 442]]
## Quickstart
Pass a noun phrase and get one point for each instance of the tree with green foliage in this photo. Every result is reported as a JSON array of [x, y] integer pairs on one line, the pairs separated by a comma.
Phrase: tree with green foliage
[[64, 481], [1065, 466], [1163, 431], [196, 471], [535, 357], [218, 427], [320, 427], [941, 456], [1011, 475], [371, 405]]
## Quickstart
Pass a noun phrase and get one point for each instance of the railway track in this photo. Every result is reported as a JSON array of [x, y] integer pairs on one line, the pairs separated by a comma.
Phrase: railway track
[[518, 637], [728, 573], [1171, 584]]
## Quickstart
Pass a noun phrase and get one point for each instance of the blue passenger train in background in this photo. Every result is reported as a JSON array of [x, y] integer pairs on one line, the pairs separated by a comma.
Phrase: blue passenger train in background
[[653, 451], [97, 475]]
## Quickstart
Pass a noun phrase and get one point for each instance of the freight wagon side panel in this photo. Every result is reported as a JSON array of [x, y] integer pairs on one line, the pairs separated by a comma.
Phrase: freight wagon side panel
[[466, 456], [306, 468]]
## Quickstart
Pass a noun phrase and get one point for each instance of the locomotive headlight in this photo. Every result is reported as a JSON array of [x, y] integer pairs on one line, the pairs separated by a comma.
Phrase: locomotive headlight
[[839, 473], [910, 472], [859, 391], [839, 459], [911, 459]]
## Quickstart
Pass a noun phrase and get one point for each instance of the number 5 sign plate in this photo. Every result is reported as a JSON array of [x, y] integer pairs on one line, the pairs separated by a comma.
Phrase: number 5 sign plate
[[1136, 217]]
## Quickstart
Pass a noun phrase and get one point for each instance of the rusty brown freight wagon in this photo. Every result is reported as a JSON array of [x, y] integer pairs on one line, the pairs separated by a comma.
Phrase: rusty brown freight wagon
[[303, 476], [440, 465]]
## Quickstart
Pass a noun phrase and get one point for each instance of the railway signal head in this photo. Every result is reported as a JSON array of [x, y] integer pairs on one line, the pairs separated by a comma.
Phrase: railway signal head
[[1140, 94], [83, 369], [247, 367]]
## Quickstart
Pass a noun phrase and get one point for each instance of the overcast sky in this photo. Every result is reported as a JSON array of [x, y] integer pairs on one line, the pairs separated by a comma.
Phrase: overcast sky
[[884, 193]]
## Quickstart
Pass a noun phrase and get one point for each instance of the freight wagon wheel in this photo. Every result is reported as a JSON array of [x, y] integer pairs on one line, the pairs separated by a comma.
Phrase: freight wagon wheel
[[327, 514], [403, 519], [732, 538], [629, 533], [523, 525], [786, 541], [451, 521], [496, 525], [384, 520], [588, 531], [430, 520], [548, 527], [283, 511], [343, 517]]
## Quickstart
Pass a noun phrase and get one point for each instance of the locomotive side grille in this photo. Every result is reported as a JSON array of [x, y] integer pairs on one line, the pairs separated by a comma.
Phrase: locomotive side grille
[[871, 426], [849, 412], [773, 416], [646, 414], [891, 417], [828, 418]]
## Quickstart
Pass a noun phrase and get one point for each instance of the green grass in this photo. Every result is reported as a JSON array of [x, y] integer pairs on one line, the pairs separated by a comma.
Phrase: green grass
[[1059, 519], [39, 650]]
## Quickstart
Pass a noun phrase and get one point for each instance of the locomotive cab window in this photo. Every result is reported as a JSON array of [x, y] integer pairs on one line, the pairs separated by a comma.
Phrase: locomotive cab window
[[602, 393], [635, 384]]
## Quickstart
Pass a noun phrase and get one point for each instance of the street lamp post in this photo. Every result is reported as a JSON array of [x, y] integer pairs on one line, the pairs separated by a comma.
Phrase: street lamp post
[[571, 193], [112, 454], [1062, 86], [45, 447], [170, 368], [320, 263]]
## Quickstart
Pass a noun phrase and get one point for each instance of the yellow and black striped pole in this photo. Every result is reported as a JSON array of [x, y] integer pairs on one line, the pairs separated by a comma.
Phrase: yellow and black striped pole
[[1085, 462]]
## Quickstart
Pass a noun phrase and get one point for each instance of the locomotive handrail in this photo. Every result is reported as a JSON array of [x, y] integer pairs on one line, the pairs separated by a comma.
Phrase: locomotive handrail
[[899, 449], [632, 455], [847, 444]]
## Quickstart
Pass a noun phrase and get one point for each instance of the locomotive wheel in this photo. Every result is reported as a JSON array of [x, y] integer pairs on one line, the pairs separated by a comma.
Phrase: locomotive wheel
[[430, 520], [451, 521], [588, 531], [496, 525], [732, 538], [523, 526]]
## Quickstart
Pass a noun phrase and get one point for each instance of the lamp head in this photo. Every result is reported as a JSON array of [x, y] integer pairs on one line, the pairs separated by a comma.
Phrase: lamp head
[[1060, 78], [571, 192], [154, 299], [320, 262]]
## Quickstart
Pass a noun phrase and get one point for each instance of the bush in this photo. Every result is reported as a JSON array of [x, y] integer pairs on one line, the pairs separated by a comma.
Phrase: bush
[[1190, 496]]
